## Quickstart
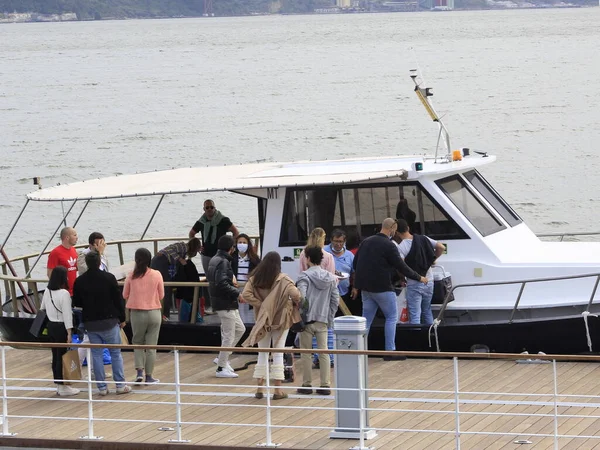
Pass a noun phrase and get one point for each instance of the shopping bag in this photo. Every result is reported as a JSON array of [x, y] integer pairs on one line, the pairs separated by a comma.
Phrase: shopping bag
[[442, 284], [39, 323], [402, 307], [124, 339], [71, 366]]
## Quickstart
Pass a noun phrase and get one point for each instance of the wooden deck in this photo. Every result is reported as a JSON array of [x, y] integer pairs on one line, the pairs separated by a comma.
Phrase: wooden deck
[[221, 406]]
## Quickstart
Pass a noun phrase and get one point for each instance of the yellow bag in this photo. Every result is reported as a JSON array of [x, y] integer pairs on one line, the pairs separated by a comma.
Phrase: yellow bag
[[124, 340]]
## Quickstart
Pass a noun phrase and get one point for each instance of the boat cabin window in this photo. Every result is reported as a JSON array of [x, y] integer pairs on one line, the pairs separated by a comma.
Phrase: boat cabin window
[[359, 210], [480, 216], [493, 198]]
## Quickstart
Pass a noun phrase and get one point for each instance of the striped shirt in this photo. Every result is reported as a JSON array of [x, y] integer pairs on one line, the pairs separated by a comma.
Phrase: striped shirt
[[175, 251], [243, 267]]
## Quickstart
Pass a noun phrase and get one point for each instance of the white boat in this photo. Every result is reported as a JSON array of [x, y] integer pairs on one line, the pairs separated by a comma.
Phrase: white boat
[[512, 290]]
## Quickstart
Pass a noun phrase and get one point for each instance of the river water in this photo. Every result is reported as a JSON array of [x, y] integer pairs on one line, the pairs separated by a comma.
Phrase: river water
[[91, 99]]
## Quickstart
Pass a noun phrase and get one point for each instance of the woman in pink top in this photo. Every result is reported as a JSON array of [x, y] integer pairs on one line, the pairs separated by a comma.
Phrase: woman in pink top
[[143, 291], [317, 239]]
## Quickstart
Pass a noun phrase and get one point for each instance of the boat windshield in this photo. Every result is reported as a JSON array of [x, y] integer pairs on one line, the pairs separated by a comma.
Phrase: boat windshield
[[493, 198], [359, 210], [472, 208]]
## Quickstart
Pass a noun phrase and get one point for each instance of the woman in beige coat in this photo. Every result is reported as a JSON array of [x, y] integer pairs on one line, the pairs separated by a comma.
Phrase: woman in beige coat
[[274, 298]]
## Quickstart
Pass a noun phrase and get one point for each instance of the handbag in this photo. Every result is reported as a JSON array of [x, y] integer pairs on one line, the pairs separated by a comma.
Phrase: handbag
[[442, 284], [40, 322], [71, 366]]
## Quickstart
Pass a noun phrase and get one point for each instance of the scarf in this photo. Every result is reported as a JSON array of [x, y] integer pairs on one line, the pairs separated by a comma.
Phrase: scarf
[[209, 225]]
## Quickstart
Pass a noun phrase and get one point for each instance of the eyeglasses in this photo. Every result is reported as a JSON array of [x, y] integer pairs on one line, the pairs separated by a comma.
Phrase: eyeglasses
[[209, 207]]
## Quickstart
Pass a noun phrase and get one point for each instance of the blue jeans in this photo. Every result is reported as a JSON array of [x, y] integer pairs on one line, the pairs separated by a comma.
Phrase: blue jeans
[[387, 302], [111, 336], [418, 302]]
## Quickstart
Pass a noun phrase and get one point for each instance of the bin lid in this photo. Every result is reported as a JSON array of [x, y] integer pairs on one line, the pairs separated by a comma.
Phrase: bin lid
[[349, 323]]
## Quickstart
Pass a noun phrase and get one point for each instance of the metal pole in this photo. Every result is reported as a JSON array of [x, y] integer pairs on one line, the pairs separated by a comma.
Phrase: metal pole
[[361, 401], [90, 435], [593, 293], [457, 407], [555, 405], [49, 241], [5, 431], [178, 401], [269, 442], [512, 314], [14, 225], [152, 217], [81, 213]]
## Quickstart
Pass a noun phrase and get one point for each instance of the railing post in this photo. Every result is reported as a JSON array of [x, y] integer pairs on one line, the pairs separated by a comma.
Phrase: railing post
[[90, 436], [362, 360], [269, 443], [457, 404], [120, 248], [178, 402], [5, 431], [555, 404]]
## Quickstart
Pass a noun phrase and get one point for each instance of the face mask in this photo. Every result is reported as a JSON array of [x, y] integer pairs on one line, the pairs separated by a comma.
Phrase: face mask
[[242, 248]]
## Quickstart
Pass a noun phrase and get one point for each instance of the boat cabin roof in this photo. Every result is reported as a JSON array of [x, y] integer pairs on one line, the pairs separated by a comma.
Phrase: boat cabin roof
[[255, 176]]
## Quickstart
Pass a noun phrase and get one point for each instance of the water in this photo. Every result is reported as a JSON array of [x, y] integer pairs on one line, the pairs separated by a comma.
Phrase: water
[[84, 100]]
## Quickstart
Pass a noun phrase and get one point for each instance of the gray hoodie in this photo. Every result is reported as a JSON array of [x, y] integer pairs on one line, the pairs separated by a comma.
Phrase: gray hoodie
[[319, 288]]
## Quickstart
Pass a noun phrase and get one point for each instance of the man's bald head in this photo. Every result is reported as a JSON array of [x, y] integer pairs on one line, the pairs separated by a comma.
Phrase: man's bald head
[[68, 236]]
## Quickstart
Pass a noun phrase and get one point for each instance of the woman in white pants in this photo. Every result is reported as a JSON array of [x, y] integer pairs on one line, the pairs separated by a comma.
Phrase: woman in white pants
[[274, 297]]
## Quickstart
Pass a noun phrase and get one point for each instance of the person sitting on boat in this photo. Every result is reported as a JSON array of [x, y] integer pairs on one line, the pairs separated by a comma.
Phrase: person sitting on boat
[[96, 242], [317, 239], [225, 297], [57, 303], [65, 255], [103, 310], [320, 292], [165, 261], [243, 261], [143, 291], [211, 225], [419, 253], [274, 296], [377, 258]]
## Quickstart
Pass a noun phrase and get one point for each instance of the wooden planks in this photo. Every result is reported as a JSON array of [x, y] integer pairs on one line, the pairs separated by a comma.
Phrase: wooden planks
[[226, 403]]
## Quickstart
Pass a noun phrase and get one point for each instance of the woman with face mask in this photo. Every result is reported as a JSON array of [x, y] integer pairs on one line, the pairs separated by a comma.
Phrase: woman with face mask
[[243, 261]]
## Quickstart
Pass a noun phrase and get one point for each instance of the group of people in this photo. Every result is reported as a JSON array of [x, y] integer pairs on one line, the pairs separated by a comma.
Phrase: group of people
[[331, 274]]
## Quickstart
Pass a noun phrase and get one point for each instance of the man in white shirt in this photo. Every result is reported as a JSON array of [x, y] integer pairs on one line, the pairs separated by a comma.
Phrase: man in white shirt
[[419, 253]]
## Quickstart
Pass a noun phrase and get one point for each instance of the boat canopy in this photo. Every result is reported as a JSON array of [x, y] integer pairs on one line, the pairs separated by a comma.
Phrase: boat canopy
[[241, 177]]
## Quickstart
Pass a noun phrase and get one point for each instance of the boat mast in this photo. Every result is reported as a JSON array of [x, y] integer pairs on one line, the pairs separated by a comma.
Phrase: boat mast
[[424, 93]]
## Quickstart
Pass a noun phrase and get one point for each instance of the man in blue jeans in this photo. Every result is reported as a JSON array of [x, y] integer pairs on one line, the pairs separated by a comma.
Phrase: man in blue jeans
[[103, 310], [375, 262], [419, 253]]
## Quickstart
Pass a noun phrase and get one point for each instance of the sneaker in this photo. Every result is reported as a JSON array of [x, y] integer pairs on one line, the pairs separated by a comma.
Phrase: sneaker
[[216, 361], [64, 390], [226, 373], [395, 358], [305, 390], [139, 377], [124, 390], [150, 380], [103, 392], [209, 311], [324, 390]]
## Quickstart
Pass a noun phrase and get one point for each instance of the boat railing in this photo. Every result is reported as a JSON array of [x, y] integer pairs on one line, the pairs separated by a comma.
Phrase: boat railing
[[455, 406], [522, 283], [13, 284], [561, 236]]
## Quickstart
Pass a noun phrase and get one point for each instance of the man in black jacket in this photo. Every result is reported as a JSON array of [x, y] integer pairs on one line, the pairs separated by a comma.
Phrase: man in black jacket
[[103, 310], [376, 261], [224, 297]]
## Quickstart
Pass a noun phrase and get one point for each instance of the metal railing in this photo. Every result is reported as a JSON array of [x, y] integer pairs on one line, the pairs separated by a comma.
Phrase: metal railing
[[455, 399], [11, 283]]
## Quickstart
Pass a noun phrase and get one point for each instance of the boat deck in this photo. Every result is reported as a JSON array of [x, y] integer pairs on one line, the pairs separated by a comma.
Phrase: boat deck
[[490, 393]]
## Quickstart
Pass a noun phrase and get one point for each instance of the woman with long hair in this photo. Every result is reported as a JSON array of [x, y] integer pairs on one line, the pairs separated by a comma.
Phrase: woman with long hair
[[165, 261], [57, 303], [143, 292], [274, 297], [317, 239]]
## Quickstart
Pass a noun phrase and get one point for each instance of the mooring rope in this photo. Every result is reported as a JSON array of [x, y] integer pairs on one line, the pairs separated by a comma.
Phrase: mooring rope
[[585, 315], [434, 325]]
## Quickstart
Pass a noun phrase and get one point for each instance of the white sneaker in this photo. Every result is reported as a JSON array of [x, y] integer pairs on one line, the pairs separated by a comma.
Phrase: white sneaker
[[209, 311], [228, 367], [226, 373], [64, 390]]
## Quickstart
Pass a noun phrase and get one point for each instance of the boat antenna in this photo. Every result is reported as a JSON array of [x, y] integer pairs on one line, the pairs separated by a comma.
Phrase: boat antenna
[[424, 93]]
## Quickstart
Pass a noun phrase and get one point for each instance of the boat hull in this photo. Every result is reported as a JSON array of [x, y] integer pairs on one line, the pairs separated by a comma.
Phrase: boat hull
[[557, 336]]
